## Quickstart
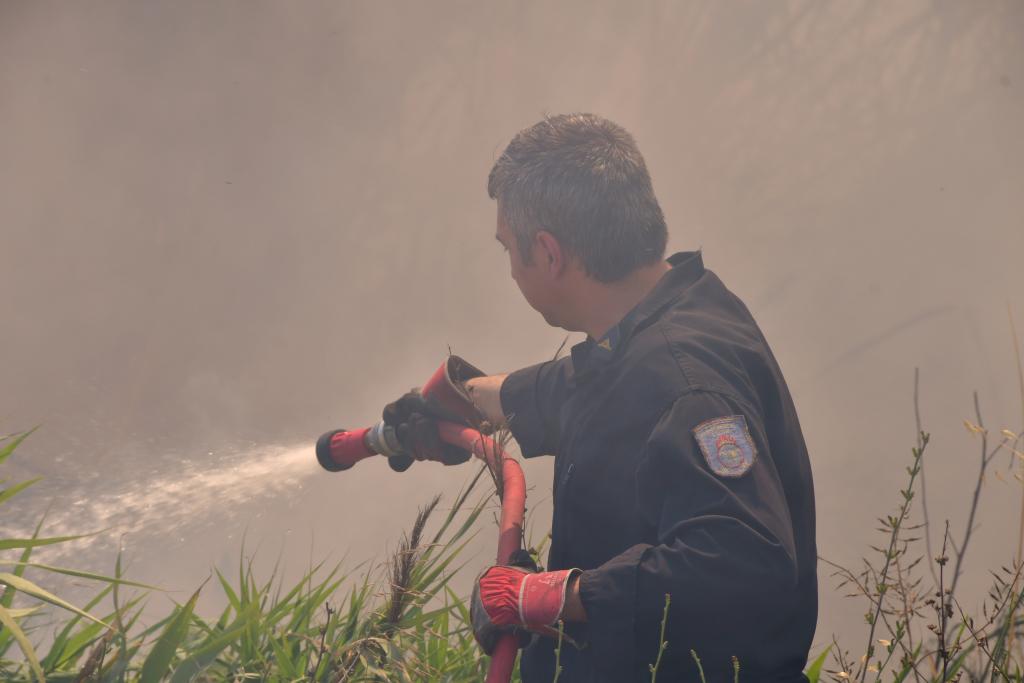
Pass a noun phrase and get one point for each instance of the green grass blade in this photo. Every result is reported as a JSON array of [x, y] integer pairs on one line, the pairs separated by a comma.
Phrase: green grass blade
[[207, 653], [458, 605], [28, 588], [460, 500], [228, 591], [8, 596], [55, 656], [288, 667], [77, 643], [13, 543], [11, 492], [813, 672], [6, 451], [412, 619], [80, 574], [11, 625], [160, 657]]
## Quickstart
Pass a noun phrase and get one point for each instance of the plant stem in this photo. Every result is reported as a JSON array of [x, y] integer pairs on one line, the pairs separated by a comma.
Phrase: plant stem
[[700, 668], [1020, 523], [962, 550], [663, 645], [558, 651], [943, 651], [1020, 381], [924, 487], [896, 524]]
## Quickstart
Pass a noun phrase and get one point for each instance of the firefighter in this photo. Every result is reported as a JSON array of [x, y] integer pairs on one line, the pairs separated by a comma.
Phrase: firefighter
[[681, 477]]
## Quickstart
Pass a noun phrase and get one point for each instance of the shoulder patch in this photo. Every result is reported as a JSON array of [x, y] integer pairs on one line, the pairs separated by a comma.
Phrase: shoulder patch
[[726, 445]]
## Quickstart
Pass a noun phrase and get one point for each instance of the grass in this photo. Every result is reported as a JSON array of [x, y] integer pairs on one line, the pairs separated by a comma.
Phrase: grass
[[398, 622]]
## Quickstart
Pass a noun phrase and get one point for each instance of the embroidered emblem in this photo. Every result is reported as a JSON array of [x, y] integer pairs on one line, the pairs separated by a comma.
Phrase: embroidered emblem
[[726, 445]]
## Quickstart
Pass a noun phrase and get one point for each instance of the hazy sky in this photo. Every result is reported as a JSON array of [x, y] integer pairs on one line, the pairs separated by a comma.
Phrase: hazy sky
[[230, 227]]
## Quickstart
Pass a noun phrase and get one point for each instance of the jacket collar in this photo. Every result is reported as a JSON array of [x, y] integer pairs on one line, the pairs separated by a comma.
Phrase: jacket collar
[[591, 354]]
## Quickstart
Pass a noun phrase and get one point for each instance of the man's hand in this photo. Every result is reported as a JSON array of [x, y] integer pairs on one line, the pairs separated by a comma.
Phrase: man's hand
[[512, 598], [414, 420]]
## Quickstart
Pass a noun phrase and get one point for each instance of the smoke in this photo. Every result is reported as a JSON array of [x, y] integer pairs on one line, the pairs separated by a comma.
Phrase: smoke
[[247, 223]]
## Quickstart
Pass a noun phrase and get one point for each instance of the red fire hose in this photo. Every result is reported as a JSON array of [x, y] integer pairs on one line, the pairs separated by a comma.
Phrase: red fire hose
[[339, 450], [510, 530]]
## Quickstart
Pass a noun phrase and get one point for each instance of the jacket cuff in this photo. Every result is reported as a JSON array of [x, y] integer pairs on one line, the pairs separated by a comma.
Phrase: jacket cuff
[[608, 594], [518, 395]]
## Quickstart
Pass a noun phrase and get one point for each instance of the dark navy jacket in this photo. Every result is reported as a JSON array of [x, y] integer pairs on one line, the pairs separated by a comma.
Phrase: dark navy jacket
[[646, 511]]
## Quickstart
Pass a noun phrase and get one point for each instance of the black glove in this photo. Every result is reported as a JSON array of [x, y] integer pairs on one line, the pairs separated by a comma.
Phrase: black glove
[[414, 420]]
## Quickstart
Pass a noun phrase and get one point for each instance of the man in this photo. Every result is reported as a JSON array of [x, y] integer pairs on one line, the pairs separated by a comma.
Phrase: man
[[680, 467]]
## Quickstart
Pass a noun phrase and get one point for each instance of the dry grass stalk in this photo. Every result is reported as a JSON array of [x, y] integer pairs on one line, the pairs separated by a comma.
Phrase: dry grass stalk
[[402, 564]]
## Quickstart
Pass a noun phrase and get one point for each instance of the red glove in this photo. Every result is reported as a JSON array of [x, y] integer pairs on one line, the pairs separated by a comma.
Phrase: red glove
[[510, 597]]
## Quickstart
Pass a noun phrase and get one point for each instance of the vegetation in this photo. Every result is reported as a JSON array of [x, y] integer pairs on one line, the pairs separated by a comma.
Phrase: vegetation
[[918, 629], [402, 622], [397, 622]]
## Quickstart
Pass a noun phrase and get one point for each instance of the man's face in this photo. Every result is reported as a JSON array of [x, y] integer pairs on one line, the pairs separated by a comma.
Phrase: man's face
[[531, 279]]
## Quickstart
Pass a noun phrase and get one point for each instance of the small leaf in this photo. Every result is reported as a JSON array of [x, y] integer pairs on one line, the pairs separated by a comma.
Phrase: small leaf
[[813, 672]]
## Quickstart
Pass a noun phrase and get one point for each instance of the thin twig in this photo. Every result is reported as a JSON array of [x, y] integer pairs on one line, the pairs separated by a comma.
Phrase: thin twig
[[941, 606], [322, 647], [558, 651], [844, 666], [663, 644], [924, 487], [1020, 383], [981, 641], [986, 458], [908, 615], [700, 667]]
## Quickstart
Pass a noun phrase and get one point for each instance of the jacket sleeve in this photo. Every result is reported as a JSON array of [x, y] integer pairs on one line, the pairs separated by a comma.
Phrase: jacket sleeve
[[724, 551], [532, 399]]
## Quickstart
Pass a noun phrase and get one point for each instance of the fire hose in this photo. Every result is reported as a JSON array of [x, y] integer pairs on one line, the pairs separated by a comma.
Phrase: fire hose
[[340, 449]]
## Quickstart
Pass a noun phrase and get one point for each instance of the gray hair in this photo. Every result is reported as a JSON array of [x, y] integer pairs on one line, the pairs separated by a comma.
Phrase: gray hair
[[581, 178]]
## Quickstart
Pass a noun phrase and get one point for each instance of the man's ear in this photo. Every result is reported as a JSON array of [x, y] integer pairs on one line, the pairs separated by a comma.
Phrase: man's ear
[[550, 253]]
